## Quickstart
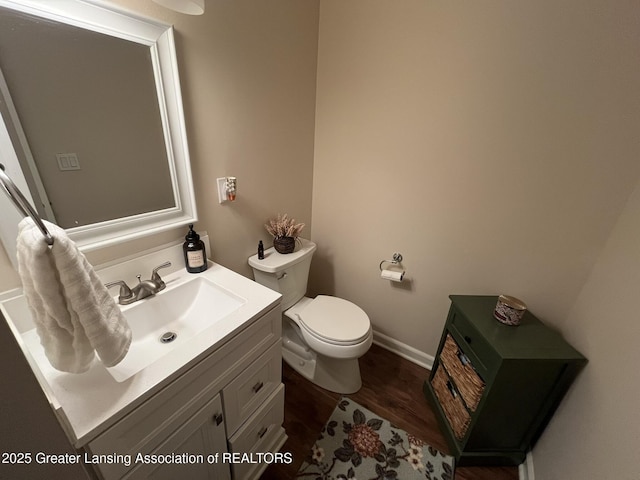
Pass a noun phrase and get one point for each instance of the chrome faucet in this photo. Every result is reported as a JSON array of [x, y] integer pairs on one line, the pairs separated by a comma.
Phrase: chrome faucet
[[144, 288]]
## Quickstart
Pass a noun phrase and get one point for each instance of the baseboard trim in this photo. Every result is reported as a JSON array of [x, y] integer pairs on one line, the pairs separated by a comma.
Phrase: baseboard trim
[[525, 470], [403, 350]]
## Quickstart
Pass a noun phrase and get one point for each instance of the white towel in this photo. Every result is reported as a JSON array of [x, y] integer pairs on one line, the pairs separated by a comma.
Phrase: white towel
[[72, 309]]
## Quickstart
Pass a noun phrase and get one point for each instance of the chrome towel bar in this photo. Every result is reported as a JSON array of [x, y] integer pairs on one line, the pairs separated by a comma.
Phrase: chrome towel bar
[[22, 204]]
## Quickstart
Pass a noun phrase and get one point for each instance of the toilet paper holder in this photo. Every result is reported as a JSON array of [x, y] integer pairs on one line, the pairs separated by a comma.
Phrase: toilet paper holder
[[397, 258]]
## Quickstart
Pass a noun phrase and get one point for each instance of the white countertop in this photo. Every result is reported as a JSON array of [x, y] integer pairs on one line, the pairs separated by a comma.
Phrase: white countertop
[[88, 403]]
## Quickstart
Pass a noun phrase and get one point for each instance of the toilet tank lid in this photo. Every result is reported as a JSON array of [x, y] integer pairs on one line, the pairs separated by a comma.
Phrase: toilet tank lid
[[276, 262]]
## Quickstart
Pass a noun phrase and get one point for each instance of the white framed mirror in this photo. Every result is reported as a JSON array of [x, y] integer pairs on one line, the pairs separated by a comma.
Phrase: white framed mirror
[[92, 128]]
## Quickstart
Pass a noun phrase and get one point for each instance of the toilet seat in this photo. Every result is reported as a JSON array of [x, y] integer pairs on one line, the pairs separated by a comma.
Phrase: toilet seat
[[335, 321]]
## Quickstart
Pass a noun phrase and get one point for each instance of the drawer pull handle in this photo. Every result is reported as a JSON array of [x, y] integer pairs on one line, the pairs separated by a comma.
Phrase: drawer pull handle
[[262, 431], [464, 360], [451, 389], [467, 339], [256, 388], [217, 418]]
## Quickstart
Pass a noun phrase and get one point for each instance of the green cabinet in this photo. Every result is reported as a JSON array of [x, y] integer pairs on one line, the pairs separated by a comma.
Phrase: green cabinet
[[494, 387]]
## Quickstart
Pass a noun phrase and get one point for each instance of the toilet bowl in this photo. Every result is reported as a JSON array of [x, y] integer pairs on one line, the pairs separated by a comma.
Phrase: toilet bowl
[[322, 337]]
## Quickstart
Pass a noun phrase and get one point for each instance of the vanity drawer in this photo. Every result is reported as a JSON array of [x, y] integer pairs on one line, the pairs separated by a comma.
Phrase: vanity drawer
[[257, 435], [451, 403], [146, 426], [462, 372], [252, 387]]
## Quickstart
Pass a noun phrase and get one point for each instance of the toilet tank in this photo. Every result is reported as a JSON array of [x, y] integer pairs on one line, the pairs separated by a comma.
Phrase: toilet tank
[[285, 273]]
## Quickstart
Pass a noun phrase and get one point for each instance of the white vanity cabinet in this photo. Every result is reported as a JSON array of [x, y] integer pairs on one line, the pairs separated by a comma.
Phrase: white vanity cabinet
[[201, 436], [229, 401]]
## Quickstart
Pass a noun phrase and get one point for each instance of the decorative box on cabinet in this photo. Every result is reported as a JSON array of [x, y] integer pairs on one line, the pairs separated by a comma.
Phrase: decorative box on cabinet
[[495, 387]]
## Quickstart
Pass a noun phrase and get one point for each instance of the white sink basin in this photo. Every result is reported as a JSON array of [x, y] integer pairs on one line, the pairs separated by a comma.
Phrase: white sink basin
[[169, 319], [184, 309]]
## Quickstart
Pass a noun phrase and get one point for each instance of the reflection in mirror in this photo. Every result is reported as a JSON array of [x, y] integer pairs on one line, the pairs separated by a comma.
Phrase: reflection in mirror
[[92, 122], [88, 108]]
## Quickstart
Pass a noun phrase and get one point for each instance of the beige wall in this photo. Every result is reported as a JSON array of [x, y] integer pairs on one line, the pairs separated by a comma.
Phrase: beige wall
[[494, 144], [248, 72], [596, 431]]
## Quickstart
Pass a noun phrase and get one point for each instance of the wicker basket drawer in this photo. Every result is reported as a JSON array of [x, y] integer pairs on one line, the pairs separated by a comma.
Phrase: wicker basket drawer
[[459, 367], [451, 403]]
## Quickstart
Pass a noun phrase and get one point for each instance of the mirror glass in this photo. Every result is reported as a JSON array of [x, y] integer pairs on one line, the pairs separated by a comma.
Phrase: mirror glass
[[90, 101], [88, 107]]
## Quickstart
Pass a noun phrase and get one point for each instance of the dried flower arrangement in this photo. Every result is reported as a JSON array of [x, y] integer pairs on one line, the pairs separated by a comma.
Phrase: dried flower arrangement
[[283, 226], [284, 231]]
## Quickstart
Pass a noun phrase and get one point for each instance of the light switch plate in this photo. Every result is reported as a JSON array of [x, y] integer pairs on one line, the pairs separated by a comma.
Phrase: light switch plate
[[68, 161]]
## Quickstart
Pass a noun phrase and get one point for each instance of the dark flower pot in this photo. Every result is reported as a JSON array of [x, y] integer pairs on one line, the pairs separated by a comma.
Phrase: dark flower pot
[[284, 244]]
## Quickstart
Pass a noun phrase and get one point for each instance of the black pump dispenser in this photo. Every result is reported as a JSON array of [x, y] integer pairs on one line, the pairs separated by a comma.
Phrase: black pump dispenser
[[195, 255]]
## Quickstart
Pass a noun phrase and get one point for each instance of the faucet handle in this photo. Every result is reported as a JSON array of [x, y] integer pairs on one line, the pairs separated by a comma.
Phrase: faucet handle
[[125, 291], [155, 277]]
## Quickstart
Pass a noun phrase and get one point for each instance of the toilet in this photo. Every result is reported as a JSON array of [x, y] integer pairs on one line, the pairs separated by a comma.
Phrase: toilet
[[322, 337]]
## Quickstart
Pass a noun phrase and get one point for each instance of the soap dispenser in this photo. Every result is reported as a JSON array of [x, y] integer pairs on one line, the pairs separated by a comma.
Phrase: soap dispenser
[[195, 255]]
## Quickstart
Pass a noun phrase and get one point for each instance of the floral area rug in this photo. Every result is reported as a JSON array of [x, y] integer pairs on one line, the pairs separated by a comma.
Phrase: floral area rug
[[357, 444]]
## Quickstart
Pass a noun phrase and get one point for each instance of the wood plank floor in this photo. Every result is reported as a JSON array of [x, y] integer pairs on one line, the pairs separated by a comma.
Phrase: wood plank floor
[[391, 387]]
